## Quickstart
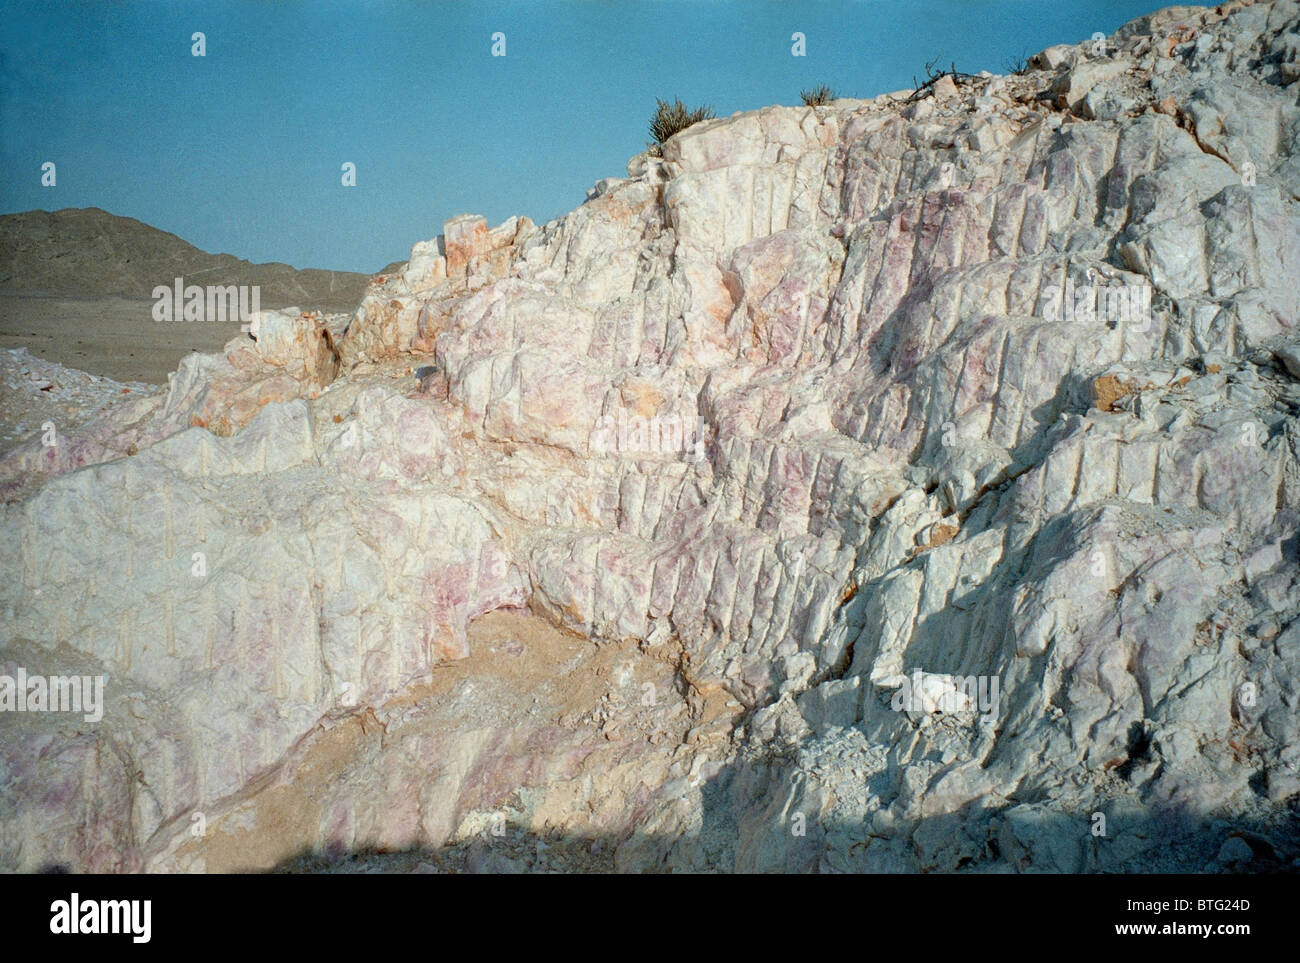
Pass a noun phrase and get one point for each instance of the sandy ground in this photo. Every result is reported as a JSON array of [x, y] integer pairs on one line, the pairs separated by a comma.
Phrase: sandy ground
[[114, 337]]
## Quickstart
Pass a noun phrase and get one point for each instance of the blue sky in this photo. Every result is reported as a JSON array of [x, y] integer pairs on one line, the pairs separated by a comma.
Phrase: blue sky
[[240, 151]]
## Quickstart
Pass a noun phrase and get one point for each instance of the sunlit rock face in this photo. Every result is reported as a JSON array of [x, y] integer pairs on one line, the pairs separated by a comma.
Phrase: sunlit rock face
[[888, 485]]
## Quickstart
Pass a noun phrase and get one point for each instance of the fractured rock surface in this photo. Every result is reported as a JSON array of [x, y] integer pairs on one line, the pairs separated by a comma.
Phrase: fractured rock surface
[[878, 486]]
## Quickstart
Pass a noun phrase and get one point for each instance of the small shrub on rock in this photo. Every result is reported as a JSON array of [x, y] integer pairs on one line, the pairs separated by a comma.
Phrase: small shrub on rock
[[673, 118], [818, 96]]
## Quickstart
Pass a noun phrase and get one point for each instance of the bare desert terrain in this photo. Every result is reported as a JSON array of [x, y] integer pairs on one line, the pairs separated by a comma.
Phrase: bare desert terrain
[[112, 336]]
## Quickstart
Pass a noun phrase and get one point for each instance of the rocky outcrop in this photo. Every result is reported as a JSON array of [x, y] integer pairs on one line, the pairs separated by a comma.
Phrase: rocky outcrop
[[918, 479]]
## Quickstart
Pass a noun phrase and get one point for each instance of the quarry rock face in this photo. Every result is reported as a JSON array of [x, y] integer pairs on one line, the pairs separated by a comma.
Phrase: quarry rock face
[[896, 485]]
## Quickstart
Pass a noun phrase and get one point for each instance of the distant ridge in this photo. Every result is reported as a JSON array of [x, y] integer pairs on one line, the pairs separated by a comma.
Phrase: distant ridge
[[90, 253]]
